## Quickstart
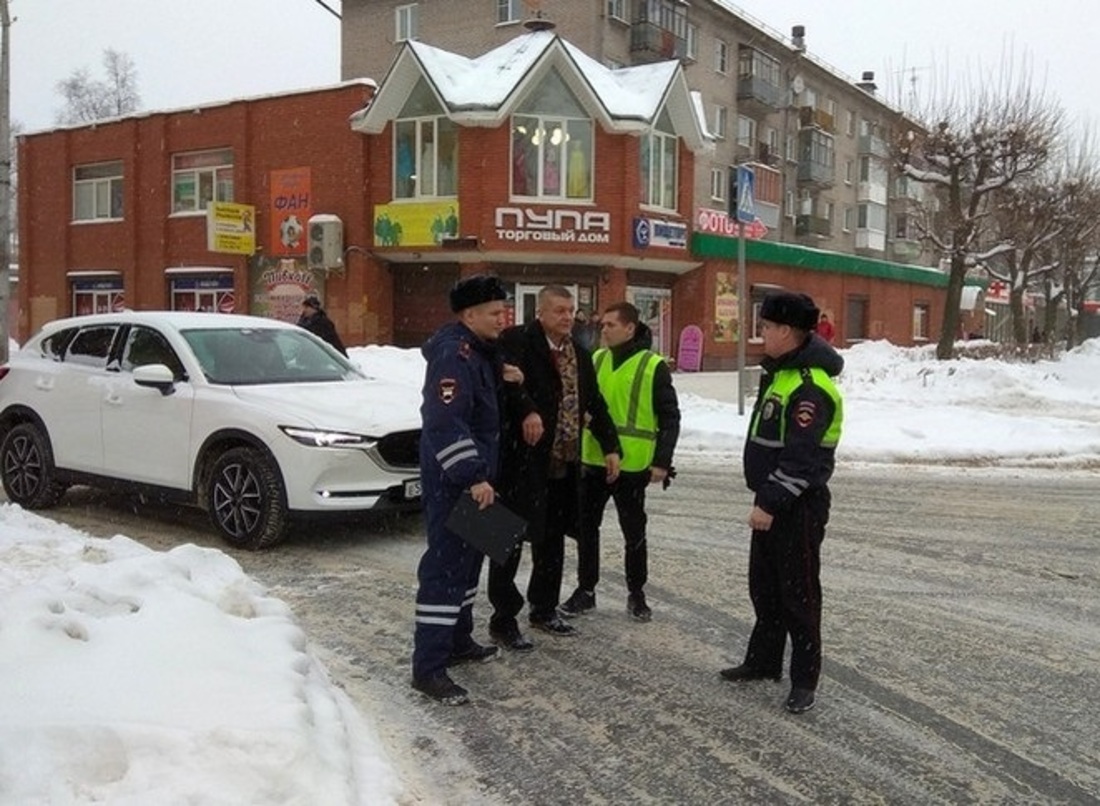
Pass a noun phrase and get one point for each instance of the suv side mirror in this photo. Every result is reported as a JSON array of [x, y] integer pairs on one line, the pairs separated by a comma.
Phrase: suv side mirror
[[156, 376]]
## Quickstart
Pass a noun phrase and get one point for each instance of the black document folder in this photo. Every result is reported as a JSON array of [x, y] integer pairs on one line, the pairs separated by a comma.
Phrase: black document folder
[[494, 530]]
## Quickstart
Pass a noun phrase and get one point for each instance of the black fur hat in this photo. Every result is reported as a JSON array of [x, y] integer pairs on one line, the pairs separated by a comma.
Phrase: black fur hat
[[471, 291], [788, 308]]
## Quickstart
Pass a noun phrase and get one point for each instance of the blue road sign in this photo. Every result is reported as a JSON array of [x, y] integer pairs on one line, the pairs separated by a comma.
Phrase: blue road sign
[[741, 199]]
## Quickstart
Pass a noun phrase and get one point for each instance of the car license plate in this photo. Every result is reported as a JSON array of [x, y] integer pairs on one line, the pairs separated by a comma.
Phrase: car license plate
[[412, 489]]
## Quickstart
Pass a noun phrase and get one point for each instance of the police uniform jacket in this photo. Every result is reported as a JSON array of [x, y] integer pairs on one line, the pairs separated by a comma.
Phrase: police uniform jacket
[[524, 468], [460, 437], [790, 447]]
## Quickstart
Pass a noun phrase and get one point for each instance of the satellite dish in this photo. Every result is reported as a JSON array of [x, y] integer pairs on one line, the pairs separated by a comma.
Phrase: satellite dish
[[797, 84]]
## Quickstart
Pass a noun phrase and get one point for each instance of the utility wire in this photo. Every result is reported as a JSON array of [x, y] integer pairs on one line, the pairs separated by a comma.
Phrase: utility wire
[[328, 8]]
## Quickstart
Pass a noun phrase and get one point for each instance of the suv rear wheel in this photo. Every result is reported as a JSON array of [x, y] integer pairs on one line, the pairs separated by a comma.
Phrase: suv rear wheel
[[27, 469], [246, 500]]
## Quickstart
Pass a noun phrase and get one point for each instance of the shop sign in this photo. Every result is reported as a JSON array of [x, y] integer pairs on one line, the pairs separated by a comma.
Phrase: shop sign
[[655, 232], [718, 222], [415, 223], [230, 228], [552, 226], [289, 208]]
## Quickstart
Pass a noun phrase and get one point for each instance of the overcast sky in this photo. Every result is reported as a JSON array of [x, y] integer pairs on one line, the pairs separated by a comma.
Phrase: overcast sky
[[200, 51]]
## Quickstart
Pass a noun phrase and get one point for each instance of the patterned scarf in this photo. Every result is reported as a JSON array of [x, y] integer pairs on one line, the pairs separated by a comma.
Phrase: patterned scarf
[[566, 449]]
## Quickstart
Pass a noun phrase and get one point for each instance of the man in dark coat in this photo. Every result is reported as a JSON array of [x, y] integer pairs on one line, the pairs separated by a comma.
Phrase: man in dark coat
[[788, 460], [459, 455], [540, 453], [316, 321]]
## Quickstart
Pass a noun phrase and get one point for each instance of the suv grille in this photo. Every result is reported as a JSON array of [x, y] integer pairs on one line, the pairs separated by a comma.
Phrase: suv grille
[[400, 449]]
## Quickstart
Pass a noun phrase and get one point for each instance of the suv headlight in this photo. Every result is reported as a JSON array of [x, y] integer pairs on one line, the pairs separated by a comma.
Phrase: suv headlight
[[318, 438]]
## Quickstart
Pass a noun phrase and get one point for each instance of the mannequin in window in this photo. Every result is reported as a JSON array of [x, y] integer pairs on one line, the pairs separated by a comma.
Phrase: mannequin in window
[[427, 171], [405, 167], [551, 173], [576, 178]]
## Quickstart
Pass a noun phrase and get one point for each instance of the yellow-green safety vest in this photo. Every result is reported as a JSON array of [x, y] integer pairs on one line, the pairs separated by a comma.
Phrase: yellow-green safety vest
[[628, 390], [783, 384]]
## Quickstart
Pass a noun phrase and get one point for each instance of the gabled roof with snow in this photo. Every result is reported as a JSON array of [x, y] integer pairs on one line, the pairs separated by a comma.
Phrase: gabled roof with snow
[[485, 90]]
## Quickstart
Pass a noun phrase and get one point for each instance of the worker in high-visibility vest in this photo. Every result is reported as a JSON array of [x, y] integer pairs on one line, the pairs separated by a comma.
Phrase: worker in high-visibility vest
[[637, 385], [788, 460]]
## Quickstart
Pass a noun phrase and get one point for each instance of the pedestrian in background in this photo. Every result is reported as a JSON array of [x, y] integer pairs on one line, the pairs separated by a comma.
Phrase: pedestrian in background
[[316, 321], [459, 455], [637, 385], [788, 461], [825, 328], [540, 475]]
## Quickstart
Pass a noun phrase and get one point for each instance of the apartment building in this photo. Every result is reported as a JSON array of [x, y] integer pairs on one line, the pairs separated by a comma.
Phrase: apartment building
[[817, 140]]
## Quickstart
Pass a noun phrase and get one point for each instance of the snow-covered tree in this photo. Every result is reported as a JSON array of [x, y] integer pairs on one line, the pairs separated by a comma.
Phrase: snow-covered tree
[[88, 99], [966, 152]]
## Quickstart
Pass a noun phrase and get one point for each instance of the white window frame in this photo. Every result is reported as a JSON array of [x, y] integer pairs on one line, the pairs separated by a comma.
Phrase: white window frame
[[721, 57], [847, 219], [691, 42], [97, 191], [509, 11], [425, 181], [922, 315], [718, 184], [616, 10], [746, 131], [721, 121], [547, 128], [213, 170], [659, 186], [405, 19]]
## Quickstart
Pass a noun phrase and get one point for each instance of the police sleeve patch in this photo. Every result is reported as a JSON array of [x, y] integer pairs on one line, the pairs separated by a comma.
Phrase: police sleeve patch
[[448, 389], [805, 413]]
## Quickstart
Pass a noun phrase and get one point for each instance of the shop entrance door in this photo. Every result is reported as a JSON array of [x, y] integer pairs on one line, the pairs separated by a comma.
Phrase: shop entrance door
[[527, 300]]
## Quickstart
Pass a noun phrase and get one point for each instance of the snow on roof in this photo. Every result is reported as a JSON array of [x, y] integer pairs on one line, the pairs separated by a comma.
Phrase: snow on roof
[[483, 90]]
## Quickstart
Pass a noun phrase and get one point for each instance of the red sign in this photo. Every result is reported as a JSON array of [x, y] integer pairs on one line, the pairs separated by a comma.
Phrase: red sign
[[719, 223], [291, 206]]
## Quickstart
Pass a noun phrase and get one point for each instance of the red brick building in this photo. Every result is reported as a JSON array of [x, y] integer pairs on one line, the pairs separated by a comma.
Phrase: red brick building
[[532, 162]]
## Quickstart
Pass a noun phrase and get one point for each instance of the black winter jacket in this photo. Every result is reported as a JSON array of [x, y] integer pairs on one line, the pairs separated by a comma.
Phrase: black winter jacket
[[525, 469], [781, 474]]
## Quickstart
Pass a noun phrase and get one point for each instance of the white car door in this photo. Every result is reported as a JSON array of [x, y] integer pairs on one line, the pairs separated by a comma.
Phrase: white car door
[[69, 399], [146, 433]]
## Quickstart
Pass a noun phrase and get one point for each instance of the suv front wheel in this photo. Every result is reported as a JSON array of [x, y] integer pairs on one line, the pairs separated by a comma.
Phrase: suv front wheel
[[27, 469], [246, 500]]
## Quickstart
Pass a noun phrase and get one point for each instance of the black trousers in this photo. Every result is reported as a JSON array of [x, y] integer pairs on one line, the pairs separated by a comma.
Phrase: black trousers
[[547, 560], [785, 588], [628, 492]]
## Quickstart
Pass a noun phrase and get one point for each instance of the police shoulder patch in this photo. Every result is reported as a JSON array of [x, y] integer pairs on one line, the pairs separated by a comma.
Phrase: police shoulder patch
[[448, 389], [805, 413], [463, 349]]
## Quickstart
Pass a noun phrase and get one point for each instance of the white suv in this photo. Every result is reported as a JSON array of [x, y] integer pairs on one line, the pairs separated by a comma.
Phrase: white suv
[[250, 418]]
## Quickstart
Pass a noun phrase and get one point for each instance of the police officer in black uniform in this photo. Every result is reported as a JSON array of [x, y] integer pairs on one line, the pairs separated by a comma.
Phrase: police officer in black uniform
[[459, 448], [788, 460]]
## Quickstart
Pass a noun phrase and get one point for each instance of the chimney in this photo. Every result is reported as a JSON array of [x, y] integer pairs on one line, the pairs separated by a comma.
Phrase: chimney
[[798, 38], [538, 22], [867, 83]]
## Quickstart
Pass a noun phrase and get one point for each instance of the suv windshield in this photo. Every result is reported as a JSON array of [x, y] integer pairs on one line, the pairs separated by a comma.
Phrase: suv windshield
[[236, 356]]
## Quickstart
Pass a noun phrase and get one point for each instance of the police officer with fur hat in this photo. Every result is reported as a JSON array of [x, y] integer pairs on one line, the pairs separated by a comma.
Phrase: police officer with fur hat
[[459, 448], [788, 460]]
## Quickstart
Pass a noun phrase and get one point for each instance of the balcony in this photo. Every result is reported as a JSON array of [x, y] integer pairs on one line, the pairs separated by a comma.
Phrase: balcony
[[812, 225], [870, 241], [816, 173], [812, 116], [816, 158], [650, 42], [872, 146], [759, 82], [905, 250]]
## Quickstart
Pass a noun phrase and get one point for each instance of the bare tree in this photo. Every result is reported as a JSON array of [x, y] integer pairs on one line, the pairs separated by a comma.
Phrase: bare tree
[[88, 99], [967, 151]]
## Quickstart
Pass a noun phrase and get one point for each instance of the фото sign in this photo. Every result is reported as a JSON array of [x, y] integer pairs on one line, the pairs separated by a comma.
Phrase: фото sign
[[655, 232], [553, 225], [718, 222]]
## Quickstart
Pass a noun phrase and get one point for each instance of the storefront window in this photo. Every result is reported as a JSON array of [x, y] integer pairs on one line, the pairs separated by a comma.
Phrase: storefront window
[[426, 158], [551, 157], [212, 293], [97, 296]]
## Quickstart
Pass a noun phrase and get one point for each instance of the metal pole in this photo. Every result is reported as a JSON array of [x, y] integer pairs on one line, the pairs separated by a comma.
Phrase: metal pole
[[742, 310]]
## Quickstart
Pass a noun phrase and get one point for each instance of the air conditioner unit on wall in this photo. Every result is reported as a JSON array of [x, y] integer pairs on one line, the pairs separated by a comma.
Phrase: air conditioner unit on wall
[[326, 241]]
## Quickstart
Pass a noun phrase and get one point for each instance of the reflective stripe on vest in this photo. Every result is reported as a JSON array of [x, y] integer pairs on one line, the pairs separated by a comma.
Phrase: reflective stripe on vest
[[628, 390], [783, 385]]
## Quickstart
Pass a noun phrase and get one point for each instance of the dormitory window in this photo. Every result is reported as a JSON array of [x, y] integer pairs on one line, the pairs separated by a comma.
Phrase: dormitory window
[[200, 178], [97, 191], [509, 10], [427, 152], [551, 157], [405, 21], [659, 159]]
